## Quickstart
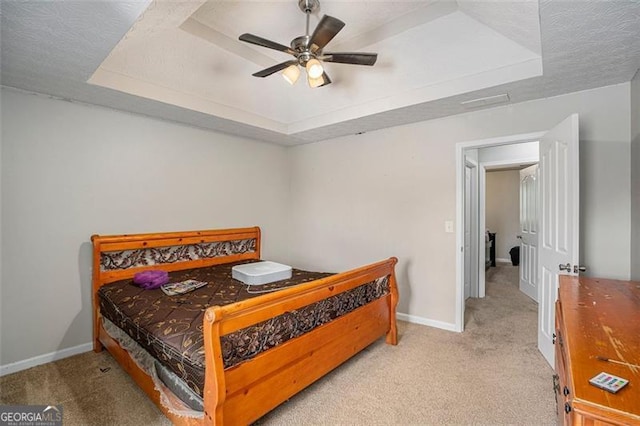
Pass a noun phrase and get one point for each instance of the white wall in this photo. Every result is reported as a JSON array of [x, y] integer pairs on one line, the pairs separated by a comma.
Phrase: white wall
[[387, 193], [635, 177], [71, 170], [502, 209]]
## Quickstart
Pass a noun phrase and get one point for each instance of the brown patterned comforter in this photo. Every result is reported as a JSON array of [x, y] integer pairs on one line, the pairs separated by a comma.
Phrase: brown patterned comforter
[[170, 327]]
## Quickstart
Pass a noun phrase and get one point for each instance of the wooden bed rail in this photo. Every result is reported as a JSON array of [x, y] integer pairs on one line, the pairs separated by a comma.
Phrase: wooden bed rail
[[209, 235]]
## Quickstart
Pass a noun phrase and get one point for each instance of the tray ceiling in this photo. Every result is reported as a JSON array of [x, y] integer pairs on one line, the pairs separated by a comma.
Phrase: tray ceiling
[[188, 54], [182, 61]]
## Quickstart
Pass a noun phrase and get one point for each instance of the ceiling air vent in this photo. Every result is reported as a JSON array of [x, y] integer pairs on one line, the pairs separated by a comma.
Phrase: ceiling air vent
[[482, 102]]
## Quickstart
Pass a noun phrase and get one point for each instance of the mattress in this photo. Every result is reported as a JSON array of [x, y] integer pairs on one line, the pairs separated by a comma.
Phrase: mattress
[[170, 327]]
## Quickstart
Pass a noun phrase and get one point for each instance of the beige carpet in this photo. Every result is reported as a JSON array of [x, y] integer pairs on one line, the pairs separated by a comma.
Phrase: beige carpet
[[490, 374]]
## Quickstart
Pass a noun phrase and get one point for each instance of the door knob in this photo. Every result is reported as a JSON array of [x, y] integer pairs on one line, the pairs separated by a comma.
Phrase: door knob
[[566, 267], [580, 268], [519, 237]]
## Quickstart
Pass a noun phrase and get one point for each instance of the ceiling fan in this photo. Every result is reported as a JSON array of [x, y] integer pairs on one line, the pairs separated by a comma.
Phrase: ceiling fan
[[308, 50]]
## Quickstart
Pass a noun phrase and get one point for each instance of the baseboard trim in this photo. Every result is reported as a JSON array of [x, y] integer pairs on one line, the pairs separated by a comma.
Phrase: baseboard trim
[[14, 367], [426, 321], [501, 260]]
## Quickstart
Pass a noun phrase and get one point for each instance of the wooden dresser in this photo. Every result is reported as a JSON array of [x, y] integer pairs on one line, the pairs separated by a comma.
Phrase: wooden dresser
[[597, 317]]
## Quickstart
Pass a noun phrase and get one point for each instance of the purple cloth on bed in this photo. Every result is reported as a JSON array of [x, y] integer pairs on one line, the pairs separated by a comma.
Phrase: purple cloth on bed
[[151, 279]]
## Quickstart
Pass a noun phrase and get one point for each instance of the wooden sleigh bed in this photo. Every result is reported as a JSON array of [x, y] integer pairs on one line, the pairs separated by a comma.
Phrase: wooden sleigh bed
[[243, 393]]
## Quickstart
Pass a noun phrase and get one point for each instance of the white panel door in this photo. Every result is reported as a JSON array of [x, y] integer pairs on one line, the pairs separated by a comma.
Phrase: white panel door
[[529, 231], [559, 227]]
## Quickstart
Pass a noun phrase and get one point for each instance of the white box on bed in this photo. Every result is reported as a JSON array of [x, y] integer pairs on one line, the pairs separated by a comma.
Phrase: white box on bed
[[261, 272]]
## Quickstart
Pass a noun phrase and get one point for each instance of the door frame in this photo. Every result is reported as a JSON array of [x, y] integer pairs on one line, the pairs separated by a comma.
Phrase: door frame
[[461, 148], [475, 227]]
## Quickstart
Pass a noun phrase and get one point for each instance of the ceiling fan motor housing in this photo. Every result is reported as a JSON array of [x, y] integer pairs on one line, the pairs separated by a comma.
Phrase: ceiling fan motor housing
[[300, 46], [309, 6]]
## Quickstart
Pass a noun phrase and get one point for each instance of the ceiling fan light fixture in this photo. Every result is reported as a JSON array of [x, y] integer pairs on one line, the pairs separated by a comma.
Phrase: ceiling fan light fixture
[[314, 69], [291, 74], [318, 82]]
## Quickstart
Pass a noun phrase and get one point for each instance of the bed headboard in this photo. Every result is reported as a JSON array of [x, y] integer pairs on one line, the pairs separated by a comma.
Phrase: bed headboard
[[117, 257]]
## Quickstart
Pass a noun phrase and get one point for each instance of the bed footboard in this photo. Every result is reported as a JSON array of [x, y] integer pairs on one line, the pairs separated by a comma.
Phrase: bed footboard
[[242, 394]]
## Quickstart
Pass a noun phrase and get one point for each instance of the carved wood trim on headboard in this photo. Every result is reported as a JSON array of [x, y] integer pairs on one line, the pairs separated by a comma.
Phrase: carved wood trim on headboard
[[118, 257]]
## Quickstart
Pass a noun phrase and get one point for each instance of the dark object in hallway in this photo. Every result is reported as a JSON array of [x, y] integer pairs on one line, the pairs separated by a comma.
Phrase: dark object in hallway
[[515, 256], [492, 250]]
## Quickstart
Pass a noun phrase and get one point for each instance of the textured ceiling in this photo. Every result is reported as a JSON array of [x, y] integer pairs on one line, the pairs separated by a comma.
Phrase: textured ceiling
[[55, 48]]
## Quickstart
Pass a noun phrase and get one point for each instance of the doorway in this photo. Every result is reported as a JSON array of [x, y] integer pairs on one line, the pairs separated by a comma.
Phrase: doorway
[[559, 220], [510, 211], [465, 153]]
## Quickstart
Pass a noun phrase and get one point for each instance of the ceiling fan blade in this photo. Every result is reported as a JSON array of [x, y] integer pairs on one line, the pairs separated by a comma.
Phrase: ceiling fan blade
[[350, 58], [259, 41], [268, 71], [326, 30]]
